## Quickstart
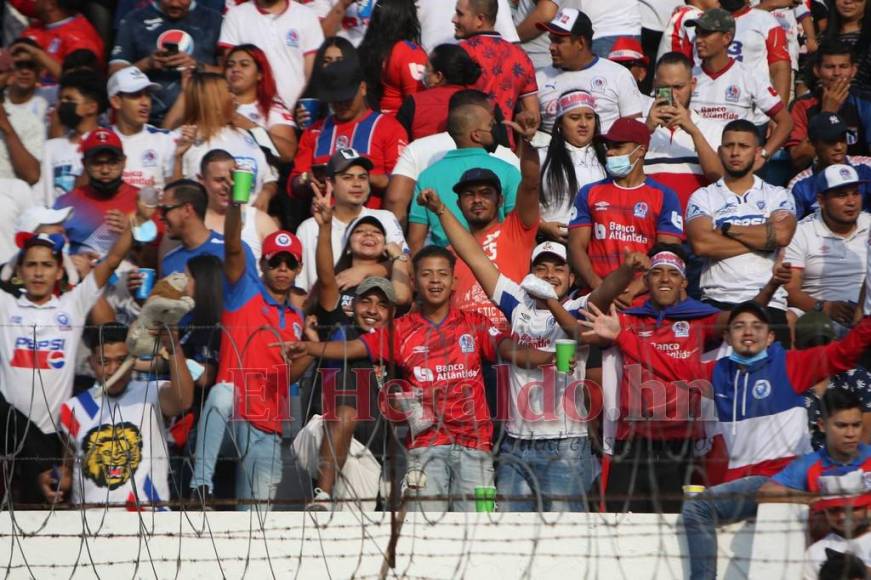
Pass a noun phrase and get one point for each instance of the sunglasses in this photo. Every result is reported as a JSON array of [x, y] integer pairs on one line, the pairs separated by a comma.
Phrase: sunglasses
[[24, 65], [165, 209], [276, 261]]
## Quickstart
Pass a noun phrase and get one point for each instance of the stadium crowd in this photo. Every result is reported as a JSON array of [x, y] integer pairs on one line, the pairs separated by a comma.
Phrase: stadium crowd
[[591, 255]]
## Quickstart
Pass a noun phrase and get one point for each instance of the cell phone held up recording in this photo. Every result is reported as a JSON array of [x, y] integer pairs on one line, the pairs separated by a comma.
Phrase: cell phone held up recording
[[664, 96], [170, 48]]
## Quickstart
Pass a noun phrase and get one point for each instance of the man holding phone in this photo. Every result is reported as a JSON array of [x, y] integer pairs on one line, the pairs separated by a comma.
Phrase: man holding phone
[[161, 40], [683, 145]]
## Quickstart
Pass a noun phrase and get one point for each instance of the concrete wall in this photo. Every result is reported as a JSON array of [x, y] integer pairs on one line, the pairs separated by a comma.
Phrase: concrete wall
[[343, 545]]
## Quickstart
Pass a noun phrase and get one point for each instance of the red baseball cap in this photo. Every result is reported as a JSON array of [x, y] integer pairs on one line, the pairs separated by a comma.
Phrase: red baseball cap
[[628, 49], [282, 242], [99, 141], [628, 130]]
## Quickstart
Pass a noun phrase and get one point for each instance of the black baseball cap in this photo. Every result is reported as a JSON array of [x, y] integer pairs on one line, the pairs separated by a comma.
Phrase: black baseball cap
[[826, 127], [753, 308], [475, 176], [339, 81]]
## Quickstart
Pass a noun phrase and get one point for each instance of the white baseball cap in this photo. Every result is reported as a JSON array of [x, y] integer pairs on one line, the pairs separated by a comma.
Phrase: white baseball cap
[[835, 176], [37, 216], [129, 80], [554, 248]]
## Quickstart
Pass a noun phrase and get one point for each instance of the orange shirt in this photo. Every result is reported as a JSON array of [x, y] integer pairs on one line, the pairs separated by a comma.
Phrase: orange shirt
[[509, 246]]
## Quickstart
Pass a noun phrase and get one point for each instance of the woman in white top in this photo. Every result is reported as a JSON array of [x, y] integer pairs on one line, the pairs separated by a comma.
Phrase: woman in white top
[[574, 158], [208, 122], [257, 102]]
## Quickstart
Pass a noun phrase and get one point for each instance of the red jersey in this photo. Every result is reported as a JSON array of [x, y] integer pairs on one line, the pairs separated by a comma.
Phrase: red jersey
[[378, 137], [509, 245], [507, 74], [425, 113], [402, 74], [624, 219], [63, 37], [444, 362], [682, 333], [250, 359]]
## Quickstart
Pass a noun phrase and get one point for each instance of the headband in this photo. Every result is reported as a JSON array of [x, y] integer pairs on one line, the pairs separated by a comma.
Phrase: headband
[[669, 259], [575, 100]]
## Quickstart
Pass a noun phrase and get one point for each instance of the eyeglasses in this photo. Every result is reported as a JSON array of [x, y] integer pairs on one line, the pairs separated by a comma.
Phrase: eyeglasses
[[165, 209], [276, 261]]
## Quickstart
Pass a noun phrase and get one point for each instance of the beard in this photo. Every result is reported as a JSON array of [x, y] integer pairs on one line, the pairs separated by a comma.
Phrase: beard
[[739, 172]]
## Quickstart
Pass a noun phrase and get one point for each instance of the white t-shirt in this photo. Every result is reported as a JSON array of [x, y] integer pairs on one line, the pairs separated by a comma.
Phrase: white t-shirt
[[421, 153], [15, 197], [30, 130], [677, 33], [277, 115], [354, 23], [244, 149], [37, 105], [587, 170], [612, 85], [150, 156], [38, 346], [286, 38], [655, 14], [613, 17], [121, 453], [61, 165], [531, 415], [815, 556], [834, 266], [739, 278], [307, 232], [436, 27], [736, 92]]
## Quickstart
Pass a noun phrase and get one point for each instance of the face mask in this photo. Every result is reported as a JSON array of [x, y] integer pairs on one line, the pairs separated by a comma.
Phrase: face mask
[[66, 112], [619, 165], [106, 188], [732, 5], [748, 360]]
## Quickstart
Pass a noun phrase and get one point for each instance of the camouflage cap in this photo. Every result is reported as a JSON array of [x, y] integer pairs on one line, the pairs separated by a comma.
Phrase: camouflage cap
[[714, 20]]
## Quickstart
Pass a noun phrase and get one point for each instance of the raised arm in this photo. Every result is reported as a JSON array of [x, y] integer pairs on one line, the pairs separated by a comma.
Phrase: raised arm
[[328, 291], [178, 397], [234, 253], [119, 224], [528, 194], [462, 241]]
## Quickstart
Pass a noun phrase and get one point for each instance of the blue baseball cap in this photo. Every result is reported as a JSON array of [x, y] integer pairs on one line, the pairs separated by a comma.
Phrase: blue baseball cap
[[835, 176]]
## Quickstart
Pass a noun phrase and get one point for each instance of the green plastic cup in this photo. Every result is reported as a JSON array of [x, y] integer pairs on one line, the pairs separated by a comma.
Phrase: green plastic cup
[[565, 354], [485, 498], [243, 179]]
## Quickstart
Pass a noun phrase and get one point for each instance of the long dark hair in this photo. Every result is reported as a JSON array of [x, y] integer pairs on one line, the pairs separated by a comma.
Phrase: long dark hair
[[455, 64], [833, 29], [392, 21], [558, 170], [343, 44], [208, 275]]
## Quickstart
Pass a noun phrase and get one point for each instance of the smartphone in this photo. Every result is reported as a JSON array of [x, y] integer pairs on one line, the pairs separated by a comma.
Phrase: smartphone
[[665, 95], [319, 172], [170, 48]]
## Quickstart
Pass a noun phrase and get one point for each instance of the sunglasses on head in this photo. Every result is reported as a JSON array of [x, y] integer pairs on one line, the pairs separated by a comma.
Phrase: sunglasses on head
[[284, 258]]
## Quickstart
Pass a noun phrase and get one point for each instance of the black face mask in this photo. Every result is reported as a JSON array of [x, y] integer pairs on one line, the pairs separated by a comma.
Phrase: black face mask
[[732, 5], [106, 188], [66, 112]]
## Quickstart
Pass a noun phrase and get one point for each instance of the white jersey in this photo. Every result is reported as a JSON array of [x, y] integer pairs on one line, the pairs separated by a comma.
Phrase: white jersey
[[736, 92], [678, 37], [355, 21], [816, 556], [121, 454], [286, 38], [612, 85], [539, 413], [244, 149], [423, 152], [833, 266], [613, 17], [673, 151], [38, 345], [150, 156], [788, 19], [759, 39], [436, 27], [307, 232], [587, 170], [61, 166], [739, 278], [277, 115]]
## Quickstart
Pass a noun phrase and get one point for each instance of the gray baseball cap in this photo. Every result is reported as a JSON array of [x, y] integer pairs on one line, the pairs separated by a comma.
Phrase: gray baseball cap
[[377, 283]]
